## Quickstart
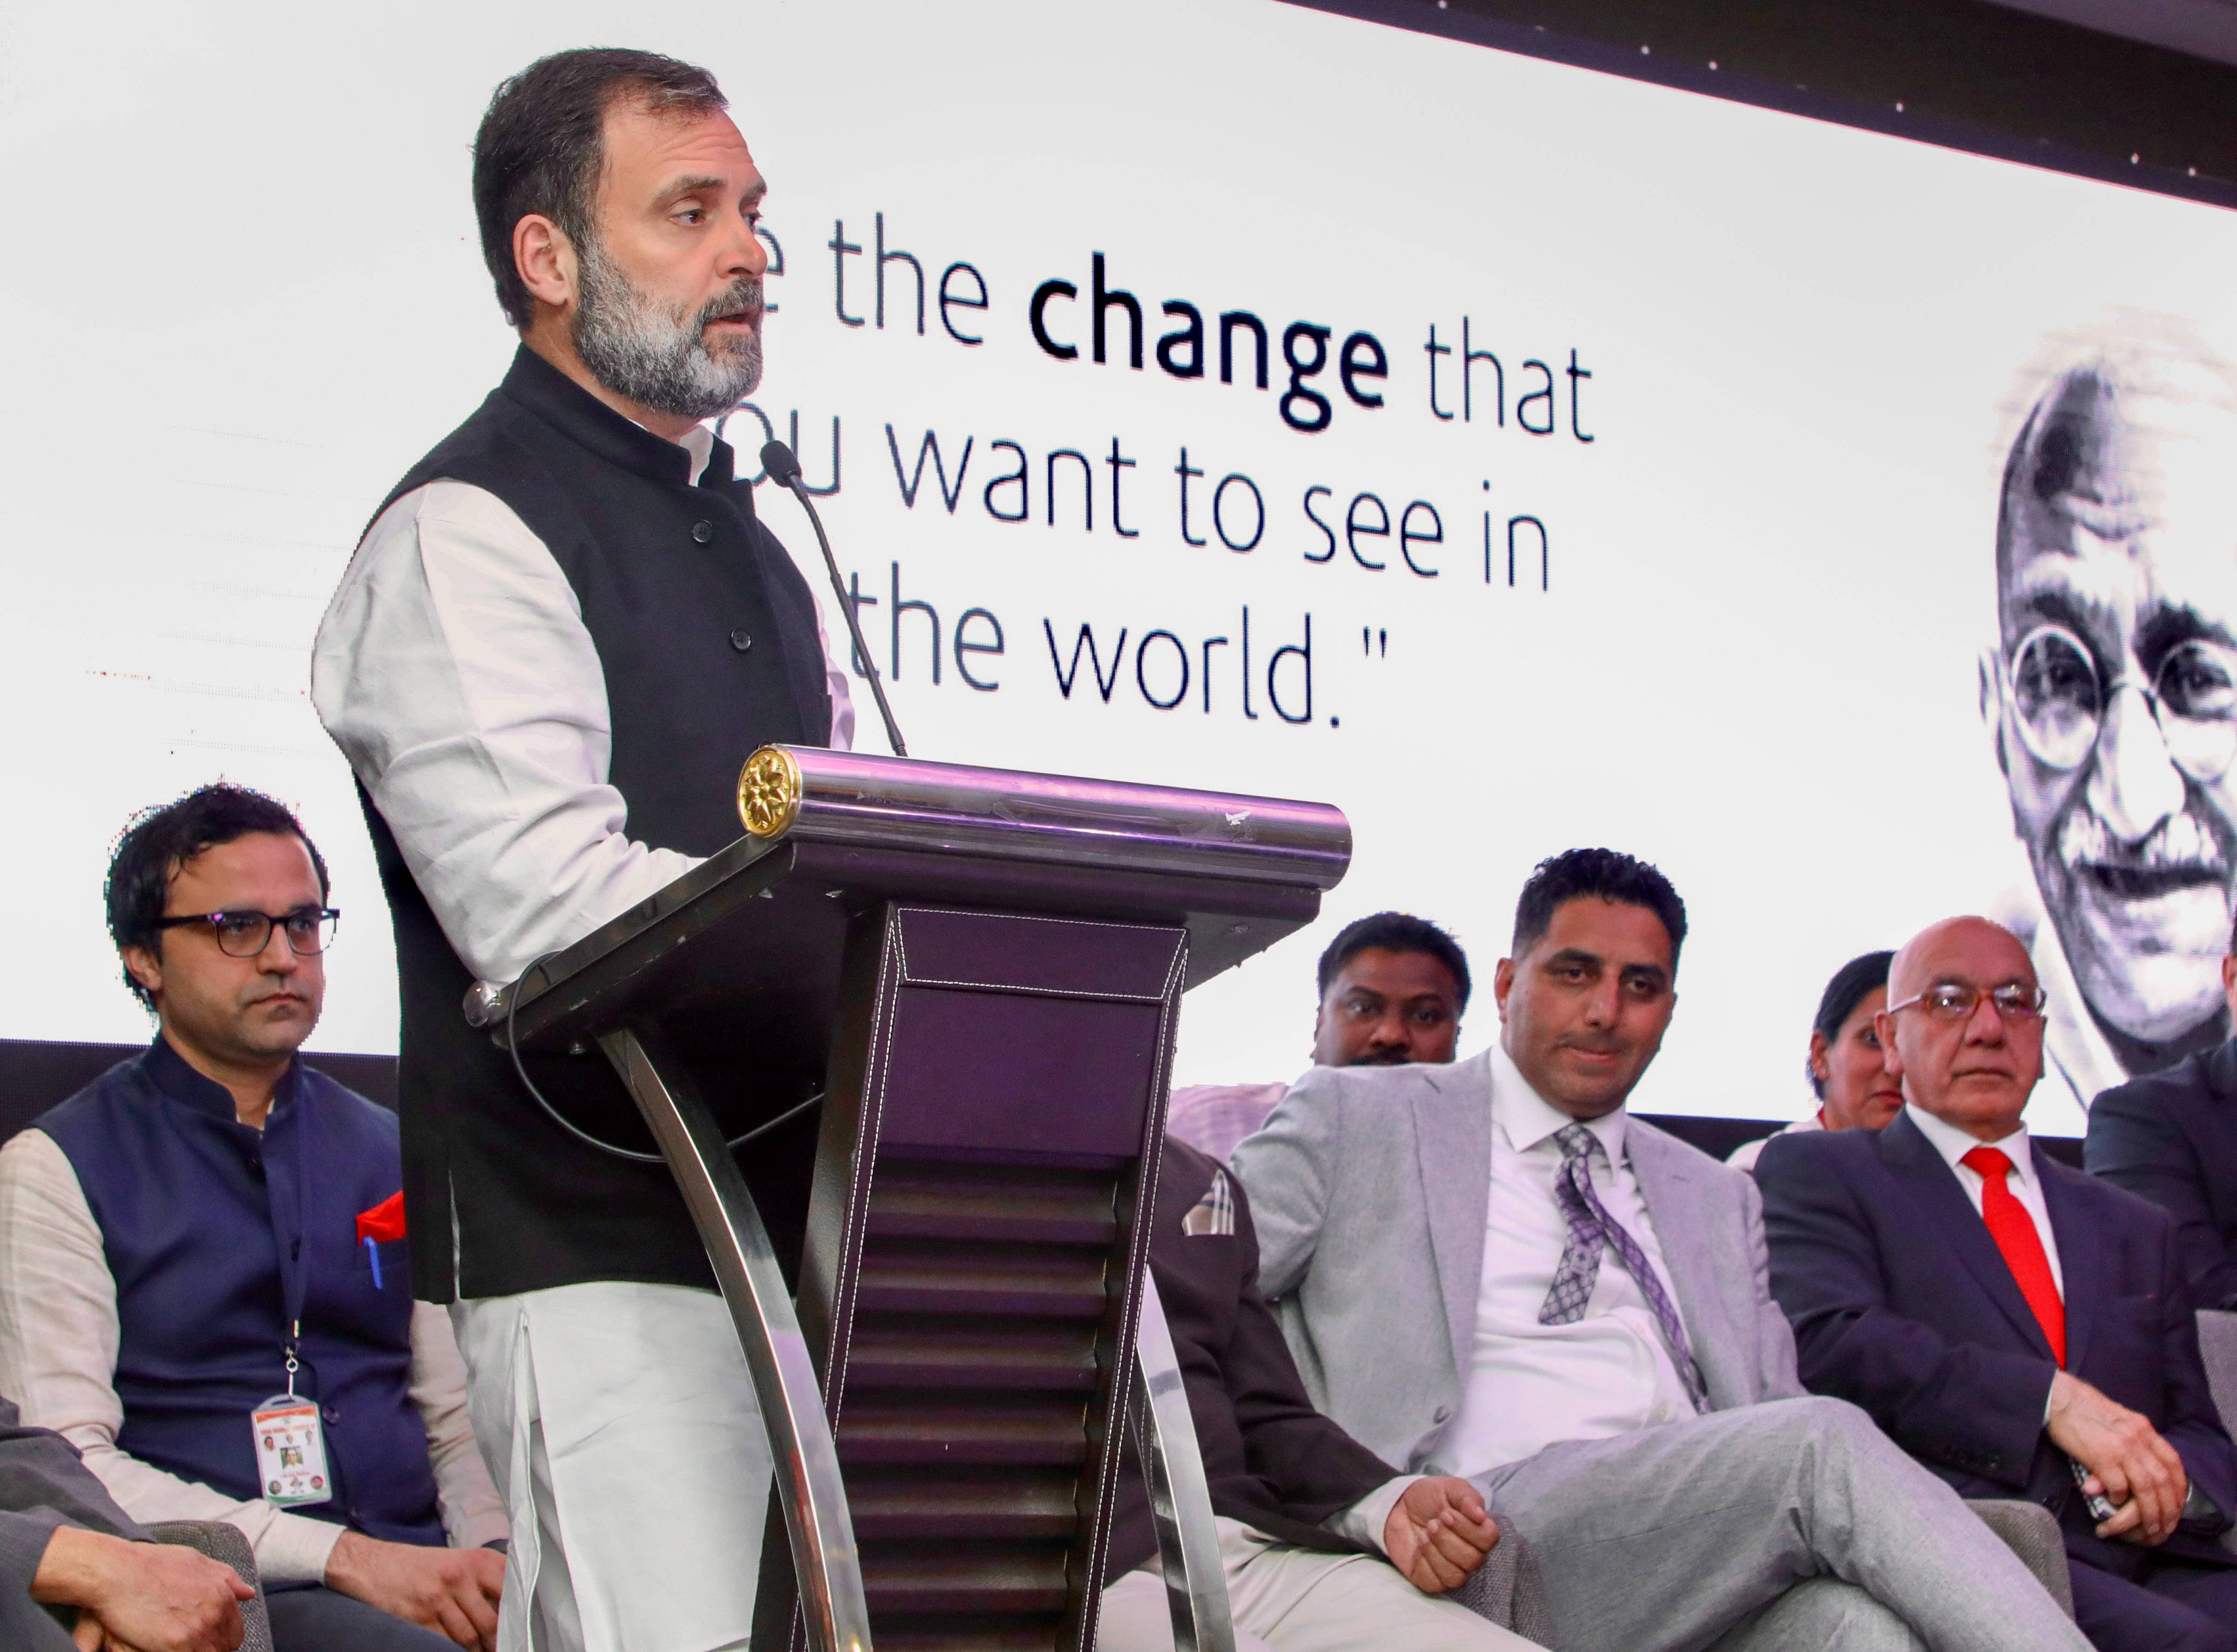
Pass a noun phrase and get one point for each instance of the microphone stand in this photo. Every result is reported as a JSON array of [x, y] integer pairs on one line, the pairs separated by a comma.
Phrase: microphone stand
[[784, 470]]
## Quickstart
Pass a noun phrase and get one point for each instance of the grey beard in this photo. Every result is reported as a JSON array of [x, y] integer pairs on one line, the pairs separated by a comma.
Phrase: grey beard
[[658, 357]]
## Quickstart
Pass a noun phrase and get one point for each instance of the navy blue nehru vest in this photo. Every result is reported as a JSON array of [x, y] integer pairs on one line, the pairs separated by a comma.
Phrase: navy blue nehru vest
[[209, 1225]]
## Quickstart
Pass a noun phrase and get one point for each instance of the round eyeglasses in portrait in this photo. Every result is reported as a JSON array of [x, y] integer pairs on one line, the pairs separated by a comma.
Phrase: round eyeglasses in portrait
[[2060, 700]]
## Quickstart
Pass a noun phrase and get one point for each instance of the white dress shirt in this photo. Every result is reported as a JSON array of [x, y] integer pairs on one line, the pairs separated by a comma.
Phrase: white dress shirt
[[58, 1343], [453, 669], [2026, 1185], [1528, 1385]]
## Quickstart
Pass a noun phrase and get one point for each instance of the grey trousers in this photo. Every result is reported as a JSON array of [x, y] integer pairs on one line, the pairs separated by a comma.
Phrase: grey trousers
[[1696, 1533]]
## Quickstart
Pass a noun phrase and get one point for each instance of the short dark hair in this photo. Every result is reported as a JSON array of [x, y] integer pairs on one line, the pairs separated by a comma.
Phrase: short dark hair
[[1394, 932], [542, 145], [159, 841], [1606, 874], [1850, 982]]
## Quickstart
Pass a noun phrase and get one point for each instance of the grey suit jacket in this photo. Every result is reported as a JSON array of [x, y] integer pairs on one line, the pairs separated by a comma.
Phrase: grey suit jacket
[[1371, 1187]]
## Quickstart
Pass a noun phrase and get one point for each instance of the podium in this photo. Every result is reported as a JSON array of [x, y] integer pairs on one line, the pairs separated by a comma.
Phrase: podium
[[905, 1047]]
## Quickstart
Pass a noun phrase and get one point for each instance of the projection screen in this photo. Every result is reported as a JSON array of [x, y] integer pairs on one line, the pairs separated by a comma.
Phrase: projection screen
[[1230, 394]]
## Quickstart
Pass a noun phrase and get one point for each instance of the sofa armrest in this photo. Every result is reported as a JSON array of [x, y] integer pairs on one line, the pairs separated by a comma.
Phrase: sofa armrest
[[230, 1544], [2030, 1531]]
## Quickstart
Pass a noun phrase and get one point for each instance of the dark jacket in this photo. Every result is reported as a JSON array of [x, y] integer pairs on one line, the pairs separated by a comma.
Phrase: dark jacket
[[707, 642], [1272, 1461], [43, 1485], [2172, 1138], [1902, 1304], [217, 1235]]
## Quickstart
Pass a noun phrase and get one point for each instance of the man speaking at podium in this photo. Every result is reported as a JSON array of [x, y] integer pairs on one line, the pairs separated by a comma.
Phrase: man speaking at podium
[[559, 640]]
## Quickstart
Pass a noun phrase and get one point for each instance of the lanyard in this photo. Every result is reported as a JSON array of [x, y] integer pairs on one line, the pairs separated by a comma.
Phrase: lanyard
[[294, 1259]]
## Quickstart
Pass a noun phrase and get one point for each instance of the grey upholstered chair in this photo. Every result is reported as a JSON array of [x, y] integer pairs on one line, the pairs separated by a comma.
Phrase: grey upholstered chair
[[2030, 1531], [227, 1543], [2217, 1343]]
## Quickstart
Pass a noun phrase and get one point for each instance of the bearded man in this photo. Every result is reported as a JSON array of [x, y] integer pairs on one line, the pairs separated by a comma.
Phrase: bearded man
[[559, 638], [2113, 694]]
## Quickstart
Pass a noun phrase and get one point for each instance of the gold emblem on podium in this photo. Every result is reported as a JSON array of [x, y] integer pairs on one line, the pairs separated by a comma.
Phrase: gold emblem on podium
[[769, 792]]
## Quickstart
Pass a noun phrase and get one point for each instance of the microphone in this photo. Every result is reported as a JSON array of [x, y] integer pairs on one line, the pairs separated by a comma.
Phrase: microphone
[[784, 470]]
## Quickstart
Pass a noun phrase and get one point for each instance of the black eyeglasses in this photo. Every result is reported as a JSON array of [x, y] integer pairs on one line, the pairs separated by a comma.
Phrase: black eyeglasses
[[243, 934]]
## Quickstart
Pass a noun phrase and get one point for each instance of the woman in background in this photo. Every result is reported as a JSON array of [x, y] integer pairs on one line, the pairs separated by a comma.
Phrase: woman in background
[[1854, 1089]]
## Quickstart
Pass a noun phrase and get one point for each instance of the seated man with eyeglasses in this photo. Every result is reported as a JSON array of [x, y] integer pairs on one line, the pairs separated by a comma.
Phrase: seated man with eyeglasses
[[2023, 1330], [204, 1283]]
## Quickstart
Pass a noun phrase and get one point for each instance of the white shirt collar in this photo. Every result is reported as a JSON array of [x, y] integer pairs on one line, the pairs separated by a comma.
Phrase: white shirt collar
[[1529, 1118], [698, 441], [1954, 1144]]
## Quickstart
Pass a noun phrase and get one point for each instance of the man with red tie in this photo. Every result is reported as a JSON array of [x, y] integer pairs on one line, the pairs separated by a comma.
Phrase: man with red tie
[[2020, 1328]]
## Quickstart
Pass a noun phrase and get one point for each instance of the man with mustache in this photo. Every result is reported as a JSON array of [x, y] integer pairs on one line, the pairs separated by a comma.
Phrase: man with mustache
[[2017, 1326], [203, 1228], [1492, 1270], [1392, 987], [562, 635], [2113, 696]]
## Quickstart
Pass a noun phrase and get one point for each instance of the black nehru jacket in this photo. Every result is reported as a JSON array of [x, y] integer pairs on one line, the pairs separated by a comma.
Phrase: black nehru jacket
[[1272, 1461], [666, 571]]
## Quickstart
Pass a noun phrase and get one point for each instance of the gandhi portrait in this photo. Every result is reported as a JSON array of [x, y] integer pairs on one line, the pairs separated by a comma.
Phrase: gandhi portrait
[[2112, 693]]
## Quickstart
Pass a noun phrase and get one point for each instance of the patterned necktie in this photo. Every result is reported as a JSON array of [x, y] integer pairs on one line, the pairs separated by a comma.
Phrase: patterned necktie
[[1593, 1229], [2014, 1232]]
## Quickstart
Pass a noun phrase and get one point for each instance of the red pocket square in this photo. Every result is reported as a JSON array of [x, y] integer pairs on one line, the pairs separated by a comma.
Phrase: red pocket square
[[384, 1221]]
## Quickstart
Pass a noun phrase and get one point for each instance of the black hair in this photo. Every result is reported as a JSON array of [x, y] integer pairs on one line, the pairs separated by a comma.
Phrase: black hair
[[542, 145], [1850, 982], [1605, 874], [159, 841], [1394, 932]]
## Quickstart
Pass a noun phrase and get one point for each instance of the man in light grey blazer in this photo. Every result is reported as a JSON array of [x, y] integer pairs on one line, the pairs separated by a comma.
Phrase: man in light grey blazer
[[1489, 1269]]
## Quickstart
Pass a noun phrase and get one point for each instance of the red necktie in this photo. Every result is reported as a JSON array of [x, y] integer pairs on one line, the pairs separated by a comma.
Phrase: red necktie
[[2014, 1232]]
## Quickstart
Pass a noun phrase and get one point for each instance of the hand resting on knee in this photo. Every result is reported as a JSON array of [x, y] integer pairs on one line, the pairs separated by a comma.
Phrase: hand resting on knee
[[141, 1597], [1437, 1533], [2127, 1459], [452, 1591]]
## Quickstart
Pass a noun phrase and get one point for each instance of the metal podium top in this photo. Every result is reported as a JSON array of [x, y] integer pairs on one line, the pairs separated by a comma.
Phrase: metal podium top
[[1241, 871], [855, 797]]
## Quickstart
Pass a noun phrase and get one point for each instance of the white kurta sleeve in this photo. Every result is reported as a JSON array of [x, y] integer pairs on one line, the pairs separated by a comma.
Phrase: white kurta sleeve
[[58, 1341], [455, 672], [473, 1514], [453, 669]]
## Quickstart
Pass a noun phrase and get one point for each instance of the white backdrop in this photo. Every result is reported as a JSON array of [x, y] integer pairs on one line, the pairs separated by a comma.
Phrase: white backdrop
[[248, 295]]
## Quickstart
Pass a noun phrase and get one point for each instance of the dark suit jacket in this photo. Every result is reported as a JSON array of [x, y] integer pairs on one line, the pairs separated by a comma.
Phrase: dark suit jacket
[[2173, 1139], [43, 1485], [1273, 1462], [1902, 1304]]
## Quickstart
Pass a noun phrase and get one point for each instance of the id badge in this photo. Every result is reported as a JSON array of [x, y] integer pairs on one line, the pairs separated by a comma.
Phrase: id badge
[[291, 1451]]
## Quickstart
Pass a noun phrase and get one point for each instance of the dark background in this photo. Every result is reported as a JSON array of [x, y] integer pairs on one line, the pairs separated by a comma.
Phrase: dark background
[[1967, 73], [2108, 96]]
